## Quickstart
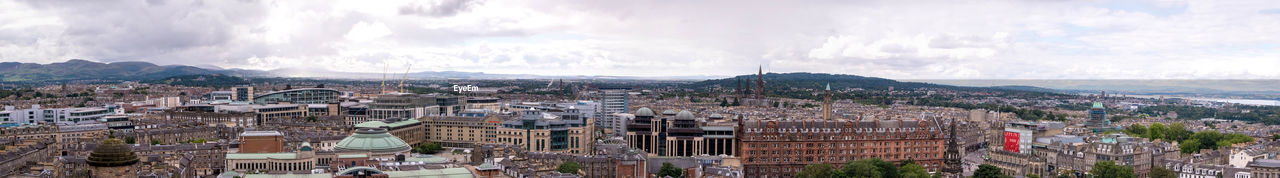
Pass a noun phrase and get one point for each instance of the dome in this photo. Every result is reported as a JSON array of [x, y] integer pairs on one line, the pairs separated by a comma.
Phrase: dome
[[112, 153], [306, 146], [716, 116], [669, 112], [684, 115], [375, 140], [642, 112]]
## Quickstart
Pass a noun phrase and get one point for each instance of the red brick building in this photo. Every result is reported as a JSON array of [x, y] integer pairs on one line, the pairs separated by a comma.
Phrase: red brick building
[[261, 142], [773, 148]]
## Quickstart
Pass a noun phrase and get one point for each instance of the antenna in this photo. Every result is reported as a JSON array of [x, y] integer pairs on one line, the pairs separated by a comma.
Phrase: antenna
[[405, 76], [384, 79]]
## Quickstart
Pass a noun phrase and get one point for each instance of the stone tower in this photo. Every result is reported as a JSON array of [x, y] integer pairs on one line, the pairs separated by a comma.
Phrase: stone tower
[[112, 158], [951, 158], [826, 103]]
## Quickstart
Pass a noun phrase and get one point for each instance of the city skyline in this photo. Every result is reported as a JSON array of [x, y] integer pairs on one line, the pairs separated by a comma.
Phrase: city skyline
[[897, 40]]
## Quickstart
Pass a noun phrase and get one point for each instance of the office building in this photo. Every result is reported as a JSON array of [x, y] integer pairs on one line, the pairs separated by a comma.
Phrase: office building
[[242, 94], [679, 134], [402, 105], [299, 96], [564, 132], [613, 101]]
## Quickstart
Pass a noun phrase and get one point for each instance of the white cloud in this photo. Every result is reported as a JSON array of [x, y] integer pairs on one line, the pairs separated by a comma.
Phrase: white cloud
[[893, 39]]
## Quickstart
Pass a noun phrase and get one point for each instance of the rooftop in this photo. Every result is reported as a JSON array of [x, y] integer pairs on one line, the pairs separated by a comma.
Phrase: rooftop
[[262, 156]]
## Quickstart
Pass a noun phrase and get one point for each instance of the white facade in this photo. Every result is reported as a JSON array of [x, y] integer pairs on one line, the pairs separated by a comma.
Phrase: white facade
[[613, 101], [1242, 158], [61, 116]]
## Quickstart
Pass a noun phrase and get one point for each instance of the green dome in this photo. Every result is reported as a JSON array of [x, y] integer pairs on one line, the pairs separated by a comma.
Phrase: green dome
[[644, 112], [112, 153], [375, 140]]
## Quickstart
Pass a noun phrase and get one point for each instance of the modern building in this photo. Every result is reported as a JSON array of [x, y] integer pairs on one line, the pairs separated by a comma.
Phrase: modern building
[[780, 148], [61, 116], [679, 134], [402, 105], [564, 132], [242, 94], [299, 96], [613, 101]]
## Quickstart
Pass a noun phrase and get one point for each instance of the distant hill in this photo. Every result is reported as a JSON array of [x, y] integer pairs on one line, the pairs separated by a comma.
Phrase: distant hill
[[840, 81], [76, 69], [815, 80], [202, 80]]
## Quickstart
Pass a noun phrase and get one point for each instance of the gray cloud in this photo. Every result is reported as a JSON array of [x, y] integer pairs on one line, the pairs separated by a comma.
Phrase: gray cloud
[[439, 8], [918, 39]]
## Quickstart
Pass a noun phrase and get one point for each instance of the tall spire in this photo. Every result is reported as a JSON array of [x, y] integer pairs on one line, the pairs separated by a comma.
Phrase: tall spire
[[826, 103], [952, 156], [760, 84]]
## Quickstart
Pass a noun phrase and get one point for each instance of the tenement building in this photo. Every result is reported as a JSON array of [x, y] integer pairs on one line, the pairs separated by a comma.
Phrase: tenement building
[[780, 148]]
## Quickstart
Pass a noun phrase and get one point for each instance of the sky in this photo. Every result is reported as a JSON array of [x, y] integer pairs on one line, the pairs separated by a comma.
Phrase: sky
[[981, 39]]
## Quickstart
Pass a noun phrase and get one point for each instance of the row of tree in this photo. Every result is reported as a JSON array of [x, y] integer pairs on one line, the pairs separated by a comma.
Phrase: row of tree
[[1188, 141], [876, 168], [866, 168]]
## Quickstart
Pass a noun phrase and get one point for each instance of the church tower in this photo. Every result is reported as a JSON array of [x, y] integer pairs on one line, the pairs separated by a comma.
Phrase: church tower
[[760, 84], [826, 103]]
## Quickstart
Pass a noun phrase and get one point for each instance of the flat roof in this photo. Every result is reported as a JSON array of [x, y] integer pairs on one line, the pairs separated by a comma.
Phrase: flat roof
[[353, 156], [262, 155], [379, 124], [260, 133]]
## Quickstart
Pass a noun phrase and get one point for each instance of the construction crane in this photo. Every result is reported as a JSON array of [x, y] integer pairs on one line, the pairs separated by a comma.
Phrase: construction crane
[[405, 76]]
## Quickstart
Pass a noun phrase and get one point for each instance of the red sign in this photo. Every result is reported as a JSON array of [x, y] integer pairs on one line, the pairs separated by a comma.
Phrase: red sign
[[1011, 141]]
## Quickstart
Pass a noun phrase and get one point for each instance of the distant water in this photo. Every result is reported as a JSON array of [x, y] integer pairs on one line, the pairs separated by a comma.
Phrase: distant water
[[1242, 101]]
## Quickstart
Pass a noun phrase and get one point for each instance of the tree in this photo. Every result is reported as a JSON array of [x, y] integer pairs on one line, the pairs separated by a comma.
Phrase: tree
[[429, 148], [724, 103], [1189, 146], [988, 171], [889, 170], [1110, 169], [1156, 131], [1161, 172], [914, 171], [311, 118], [1033, 175], [861, 169], [155, 142], [1177, 132], [817, 171], [130, 140], [670, 170], [1136, 130], [569, 167], [735, 102]]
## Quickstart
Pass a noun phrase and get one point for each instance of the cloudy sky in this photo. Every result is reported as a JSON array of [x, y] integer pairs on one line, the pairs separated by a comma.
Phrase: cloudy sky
[[987, 39]]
